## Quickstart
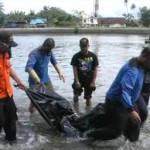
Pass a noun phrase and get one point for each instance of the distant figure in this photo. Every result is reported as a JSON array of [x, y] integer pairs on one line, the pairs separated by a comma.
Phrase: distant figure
[[85, 65], [8, 115], [127, 100], [37, 66]]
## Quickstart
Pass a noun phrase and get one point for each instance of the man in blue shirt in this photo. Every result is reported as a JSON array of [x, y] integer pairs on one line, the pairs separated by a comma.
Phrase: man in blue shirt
[[122, 97], [37, 65]]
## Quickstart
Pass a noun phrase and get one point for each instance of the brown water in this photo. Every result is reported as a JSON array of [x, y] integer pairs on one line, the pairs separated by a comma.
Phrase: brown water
[[112, 51]]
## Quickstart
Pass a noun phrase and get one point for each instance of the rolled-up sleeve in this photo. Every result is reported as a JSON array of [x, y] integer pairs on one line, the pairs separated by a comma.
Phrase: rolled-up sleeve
[[53, 59], [31, 62], [127, 83]]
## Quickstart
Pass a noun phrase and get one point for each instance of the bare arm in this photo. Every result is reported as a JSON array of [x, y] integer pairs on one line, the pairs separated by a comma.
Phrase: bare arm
[[57, 68], [94, 77], [94, 74], [76, 79], [16, 78], [75, 73]]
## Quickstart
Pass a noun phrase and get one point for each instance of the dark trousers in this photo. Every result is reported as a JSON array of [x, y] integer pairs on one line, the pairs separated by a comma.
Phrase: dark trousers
[[116, 119], [85, 84], [8, 117], [132, 130], [117, 123]]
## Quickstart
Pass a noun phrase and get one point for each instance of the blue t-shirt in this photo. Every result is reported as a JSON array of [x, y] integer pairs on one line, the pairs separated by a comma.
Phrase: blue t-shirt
[[127, 86], [39, 62]]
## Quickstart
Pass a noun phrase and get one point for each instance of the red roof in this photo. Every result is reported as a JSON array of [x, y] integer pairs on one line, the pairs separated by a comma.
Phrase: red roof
[[111, 20]]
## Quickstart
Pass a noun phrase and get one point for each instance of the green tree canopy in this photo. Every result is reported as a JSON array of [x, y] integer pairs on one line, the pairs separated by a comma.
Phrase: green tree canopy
[[1, 8], [2, 16], [144, 16], [56, 16], [31, 15], [16, 15]]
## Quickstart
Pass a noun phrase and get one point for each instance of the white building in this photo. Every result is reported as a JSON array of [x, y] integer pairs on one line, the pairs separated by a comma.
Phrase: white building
[[89, 21]]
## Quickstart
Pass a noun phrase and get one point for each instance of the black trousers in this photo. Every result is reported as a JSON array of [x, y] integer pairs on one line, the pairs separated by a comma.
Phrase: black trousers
[[85, 84], [118, 122], [132, 130], [8, 117]]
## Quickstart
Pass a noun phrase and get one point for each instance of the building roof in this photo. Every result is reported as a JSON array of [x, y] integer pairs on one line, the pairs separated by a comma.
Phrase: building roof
[[38, 21], [112, 20]]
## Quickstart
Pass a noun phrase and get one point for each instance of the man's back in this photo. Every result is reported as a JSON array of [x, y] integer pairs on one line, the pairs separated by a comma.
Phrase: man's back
[[127, 85]]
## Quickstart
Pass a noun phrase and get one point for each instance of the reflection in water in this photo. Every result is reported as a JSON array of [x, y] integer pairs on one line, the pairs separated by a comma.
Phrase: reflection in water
[[112, 51]]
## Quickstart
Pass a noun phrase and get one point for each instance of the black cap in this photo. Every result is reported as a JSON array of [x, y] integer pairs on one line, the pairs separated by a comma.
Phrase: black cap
[[84, 42], [7, 38]]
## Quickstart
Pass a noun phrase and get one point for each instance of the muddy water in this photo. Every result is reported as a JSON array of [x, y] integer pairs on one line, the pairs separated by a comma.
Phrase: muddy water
[[112, 51]]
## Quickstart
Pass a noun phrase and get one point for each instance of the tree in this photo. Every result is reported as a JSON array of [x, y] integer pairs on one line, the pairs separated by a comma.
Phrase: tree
[[130, 21], [126, 3], [78, 16], [144, 16], [56, 16], [2, 16], [31, 15], [133, 6], [16, 15], [1, 8]]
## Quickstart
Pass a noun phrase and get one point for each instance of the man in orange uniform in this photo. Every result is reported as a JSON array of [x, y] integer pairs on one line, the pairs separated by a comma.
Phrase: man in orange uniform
[[8, 109]]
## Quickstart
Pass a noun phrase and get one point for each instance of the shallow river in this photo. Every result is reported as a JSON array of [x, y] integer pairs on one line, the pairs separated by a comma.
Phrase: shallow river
[[112, 51]]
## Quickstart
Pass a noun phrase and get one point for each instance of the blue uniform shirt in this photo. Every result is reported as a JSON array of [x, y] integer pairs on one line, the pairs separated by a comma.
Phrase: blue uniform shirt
[[127, 86], [39, 62]]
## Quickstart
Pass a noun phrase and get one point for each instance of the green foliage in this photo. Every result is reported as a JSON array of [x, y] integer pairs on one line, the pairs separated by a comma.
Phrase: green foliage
[[57, 17], [1, 8], [2, 19], [130, 21], [144, 15], [31, 15], [16, 15], [2, 16]]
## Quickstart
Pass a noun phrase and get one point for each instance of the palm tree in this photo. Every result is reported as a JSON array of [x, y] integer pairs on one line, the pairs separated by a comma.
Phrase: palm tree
[[1, 7], [133, 8], [126, 3], [16, 15]]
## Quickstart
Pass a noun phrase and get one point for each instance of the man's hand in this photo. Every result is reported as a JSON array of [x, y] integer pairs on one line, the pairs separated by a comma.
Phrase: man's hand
[[21, 85], [92, 85], [61, 77], [134, 116], [77, 85]]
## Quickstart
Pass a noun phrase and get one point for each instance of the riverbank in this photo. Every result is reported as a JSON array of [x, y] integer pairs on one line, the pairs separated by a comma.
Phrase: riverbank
[[100, 30]]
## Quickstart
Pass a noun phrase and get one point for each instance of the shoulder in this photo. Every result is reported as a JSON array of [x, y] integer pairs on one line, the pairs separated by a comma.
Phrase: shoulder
[[133, 62], [77, 54], [35, 51], [51, 53], [131, 69], [92, 54]]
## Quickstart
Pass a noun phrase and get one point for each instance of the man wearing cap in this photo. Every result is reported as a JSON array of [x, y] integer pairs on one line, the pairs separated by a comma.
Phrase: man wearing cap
[[37, 66], [85, 65], [8, 109]]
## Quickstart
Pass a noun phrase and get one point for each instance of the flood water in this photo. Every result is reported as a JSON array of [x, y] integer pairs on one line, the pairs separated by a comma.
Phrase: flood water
[[112, 51]]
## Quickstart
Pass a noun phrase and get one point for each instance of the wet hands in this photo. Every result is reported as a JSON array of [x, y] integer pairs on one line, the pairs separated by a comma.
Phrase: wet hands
[[21, 85], [134, 116], [77, 85], [61, 77], [92, 85]]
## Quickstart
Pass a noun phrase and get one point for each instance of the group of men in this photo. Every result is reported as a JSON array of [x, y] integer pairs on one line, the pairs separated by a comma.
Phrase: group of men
[[124, 100]]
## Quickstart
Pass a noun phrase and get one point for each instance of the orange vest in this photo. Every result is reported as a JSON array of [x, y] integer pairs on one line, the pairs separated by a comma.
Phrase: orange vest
[[5, 84]]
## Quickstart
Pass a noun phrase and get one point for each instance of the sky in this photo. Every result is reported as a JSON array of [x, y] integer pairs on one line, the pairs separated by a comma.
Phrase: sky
[[107, 8]]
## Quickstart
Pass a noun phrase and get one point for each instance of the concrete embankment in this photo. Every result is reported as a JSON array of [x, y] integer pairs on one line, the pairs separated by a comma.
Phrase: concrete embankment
[[99, 30]]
